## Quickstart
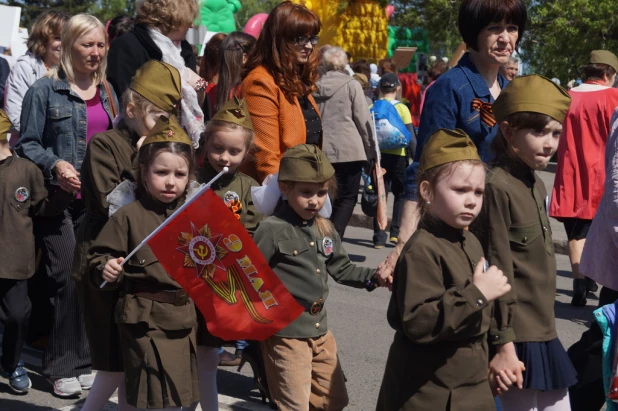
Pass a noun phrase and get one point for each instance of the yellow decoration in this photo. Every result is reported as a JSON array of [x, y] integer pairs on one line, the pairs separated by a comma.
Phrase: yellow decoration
[[361, 29]]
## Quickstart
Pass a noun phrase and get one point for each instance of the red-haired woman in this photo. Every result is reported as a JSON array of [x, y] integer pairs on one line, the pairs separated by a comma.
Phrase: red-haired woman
[[280, 75]]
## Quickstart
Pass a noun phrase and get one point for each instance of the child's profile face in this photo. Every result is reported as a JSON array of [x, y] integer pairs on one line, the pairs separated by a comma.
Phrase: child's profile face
[[226, 148], [535, 148], [167, 176], [139, 124], [458, 197], [306, 199]]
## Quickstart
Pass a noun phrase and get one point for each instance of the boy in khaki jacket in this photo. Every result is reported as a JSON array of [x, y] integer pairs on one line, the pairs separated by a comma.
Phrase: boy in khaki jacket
[[22, 196]]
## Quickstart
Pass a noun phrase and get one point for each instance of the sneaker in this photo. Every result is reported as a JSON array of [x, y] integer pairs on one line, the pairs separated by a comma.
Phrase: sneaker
[[393, 240], [378, 246], [227, 359], [66, 387], [18, 380], [86, 380]]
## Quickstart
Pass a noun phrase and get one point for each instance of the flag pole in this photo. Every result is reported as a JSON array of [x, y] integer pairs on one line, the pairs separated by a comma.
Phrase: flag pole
[[199, 192]]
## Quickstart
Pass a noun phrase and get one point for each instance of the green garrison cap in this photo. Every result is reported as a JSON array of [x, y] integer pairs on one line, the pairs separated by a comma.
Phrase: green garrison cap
[[535, 94], [5, 125], [235, 111], [167, 130], [305, 163], [604, 57], [159, 83], [446, 146]]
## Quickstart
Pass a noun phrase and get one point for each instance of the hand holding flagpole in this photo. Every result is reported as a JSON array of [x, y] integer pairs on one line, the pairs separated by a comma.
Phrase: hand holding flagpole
[[203, 188]]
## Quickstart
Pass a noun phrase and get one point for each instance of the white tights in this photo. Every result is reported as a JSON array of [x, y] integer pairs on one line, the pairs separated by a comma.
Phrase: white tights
[[103, 387], [207, 363], [535, 400]]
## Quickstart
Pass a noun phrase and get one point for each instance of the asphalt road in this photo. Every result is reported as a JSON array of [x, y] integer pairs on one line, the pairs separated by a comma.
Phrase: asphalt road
[[357, 319]]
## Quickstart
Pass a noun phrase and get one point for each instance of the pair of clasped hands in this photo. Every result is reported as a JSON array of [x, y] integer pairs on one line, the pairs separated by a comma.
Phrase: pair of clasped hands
[[67, 177], [505, 369]]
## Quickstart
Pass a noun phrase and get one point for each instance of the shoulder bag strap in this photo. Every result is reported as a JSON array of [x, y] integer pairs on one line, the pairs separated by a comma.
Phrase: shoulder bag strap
[[110, 98]]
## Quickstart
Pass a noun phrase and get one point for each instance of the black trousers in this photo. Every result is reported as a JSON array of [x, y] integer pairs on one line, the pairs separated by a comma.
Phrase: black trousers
[[587, 356], [395, 167], [348, 176], [14, 314], [67, 354]]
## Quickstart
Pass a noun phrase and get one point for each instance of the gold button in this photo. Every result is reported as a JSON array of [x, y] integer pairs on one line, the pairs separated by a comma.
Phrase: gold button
[[295, 252], [317, 325], [317, 271], [480, 302], [525, 239], [311, 244], [142, 261]]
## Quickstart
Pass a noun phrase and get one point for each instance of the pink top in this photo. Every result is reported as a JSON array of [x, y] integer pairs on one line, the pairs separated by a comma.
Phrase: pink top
[[580, 175], [97, 119]]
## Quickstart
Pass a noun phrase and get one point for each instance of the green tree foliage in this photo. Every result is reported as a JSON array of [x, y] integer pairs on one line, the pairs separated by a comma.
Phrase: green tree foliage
[[251, 8], [561, 34]]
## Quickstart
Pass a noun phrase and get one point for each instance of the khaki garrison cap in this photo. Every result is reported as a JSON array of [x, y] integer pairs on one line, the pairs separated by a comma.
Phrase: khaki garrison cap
[[5, 125], [305, 163], [534, 94], [604, 57], [446, 146], [235, 111], [159, 83], [167, 130]]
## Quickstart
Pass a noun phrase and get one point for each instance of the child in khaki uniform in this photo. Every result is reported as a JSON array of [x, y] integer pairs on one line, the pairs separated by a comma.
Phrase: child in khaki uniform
[[303, 249], [24, 196], [155, 317]]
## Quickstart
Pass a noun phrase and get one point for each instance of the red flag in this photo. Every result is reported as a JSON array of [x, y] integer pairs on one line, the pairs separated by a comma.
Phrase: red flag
[[210, 254]]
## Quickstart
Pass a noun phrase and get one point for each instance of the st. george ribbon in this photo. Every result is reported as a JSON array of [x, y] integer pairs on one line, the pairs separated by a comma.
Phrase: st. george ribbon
[[203, 188]]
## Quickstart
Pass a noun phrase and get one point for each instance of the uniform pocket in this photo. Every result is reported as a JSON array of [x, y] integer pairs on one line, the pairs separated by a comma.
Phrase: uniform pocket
[[142, 259], [21, 207], [292, 247], [523, 236]]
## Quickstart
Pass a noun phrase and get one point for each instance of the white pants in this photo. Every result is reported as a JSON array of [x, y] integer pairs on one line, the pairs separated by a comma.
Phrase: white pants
[[535, 400]]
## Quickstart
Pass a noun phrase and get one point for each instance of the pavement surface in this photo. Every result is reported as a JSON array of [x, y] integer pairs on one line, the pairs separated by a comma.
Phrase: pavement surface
[[357, 319]]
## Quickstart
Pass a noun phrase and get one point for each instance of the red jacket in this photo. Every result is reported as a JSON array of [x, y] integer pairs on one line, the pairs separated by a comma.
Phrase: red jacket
[[580, 176]]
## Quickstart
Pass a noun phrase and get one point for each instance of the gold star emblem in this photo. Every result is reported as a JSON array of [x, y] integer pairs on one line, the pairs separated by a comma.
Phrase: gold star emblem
[[236, 112], [202, 251]]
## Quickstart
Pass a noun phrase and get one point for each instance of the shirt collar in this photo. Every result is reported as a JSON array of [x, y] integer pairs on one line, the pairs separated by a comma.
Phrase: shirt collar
[[287, 213], [517, 169], [165, 209], [5, 163], [207, 173], [476, 80], [442, 230]]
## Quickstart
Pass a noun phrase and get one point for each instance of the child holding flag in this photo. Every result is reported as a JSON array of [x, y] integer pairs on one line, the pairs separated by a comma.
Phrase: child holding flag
[[227, 141], [154, 90], [303, 249], [155, 317]]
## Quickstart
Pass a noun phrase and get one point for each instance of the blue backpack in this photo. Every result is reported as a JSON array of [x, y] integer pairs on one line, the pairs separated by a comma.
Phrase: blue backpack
[[391, 132]]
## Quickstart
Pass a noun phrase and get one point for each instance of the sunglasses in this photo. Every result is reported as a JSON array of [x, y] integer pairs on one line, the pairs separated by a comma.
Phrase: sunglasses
[[303, 40]]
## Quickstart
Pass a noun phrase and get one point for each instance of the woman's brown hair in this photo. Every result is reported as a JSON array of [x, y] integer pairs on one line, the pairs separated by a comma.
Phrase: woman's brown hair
[[149, 152], [275, 51], [475, 15], [596, 71], [167, 15], [210, 62], [47, 27], [236, 45]]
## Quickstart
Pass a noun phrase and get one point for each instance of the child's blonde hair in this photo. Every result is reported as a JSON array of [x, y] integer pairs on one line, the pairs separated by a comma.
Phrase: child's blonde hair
[[143, 106], [325, 227], [215, 126]]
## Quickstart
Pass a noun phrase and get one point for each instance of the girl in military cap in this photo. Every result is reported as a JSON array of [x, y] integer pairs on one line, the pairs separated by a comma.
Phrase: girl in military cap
[[303, 249], [109, 160], [443, 290], [227, 143], [530, 369], [156, 319]]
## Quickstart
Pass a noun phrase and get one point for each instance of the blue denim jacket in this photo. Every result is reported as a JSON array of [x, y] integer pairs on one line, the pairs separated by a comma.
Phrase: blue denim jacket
[[54, 124], [448, 104]]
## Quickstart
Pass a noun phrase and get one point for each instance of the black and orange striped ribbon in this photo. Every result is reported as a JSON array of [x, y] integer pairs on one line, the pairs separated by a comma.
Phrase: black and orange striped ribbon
[[487, 114]]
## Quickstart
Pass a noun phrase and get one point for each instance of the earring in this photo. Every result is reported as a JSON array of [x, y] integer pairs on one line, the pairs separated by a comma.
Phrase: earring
[[428, 202]]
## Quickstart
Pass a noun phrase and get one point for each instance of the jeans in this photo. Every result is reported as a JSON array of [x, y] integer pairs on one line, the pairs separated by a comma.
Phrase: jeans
[[348, 183]]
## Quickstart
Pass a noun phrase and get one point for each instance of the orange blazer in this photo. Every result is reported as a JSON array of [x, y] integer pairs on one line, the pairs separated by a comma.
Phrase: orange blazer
[[278, 124]]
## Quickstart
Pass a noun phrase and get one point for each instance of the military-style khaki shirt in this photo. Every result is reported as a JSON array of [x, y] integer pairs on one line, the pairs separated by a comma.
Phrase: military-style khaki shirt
[[439, 357], [234, 189], [514, 230], [24, 196], [303, 260]]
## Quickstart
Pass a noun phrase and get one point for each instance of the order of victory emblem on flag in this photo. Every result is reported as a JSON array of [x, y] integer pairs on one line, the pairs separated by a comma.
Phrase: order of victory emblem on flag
[[210, 254]]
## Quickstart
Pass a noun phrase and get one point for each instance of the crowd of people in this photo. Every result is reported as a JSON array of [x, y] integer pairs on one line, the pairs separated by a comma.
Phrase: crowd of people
[[106, 132]]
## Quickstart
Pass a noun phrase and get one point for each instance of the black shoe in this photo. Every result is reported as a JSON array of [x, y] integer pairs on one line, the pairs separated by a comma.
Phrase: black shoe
[[579, 293], [591, 285]]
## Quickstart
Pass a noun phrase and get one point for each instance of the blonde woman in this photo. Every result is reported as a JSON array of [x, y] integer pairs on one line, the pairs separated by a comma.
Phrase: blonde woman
[[60, 113], [159, 34]]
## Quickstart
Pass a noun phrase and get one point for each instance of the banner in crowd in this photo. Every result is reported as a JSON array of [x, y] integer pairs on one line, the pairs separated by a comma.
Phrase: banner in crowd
[[211, 255]]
